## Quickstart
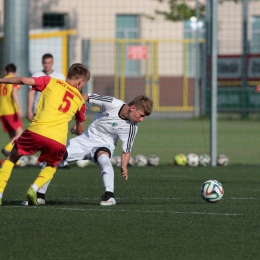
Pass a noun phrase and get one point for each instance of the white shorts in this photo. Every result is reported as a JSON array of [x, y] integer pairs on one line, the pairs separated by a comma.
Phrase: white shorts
[[83, 147]]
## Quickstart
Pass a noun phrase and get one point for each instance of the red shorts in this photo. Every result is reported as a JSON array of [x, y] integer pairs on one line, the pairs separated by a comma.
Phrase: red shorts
[[11, 122], [30, 143]]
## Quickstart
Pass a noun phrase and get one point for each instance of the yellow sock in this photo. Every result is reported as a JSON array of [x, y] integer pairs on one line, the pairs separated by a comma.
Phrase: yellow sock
[[5, 173], [9, 147], [45, 175]]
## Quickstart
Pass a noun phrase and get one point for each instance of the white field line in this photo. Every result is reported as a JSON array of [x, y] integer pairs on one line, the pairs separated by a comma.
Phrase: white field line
[[232, 198], [154, 211], [98, 198], [124, 210]]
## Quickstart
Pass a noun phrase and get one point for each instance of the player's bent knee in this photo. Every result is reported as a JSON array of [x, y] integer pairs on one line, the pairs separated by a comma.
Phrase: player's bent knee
[[104, 149], [104, 162]]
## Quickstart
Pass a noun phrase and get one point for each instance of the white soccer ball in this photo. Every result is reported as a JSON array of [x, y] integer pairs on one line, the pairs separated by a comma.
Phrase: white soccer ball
[[22, 162], [140, 160], [193, 159], [32, 160], [153, 160], [222, 160], [212, 191], [131, 161], [82, 163], [116, 160], [205, 160]]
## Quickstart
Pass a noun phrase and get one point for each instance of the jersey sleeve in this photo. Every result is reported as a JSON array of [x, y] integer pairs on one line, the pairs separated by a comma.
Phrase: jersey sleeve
[[127, 138], [80, 115], [41, 83], [100, 101]]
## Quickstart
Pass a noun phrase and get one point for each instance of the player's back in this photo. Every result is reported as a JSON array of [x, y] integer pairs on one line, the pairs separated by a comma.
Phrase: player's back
[[59, 102], [54, 74], [7, 104]]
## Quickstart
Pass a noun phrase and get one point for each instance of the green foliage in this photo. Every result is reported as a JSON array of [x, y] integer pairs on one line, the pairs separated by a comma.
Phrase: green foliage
[[180, 10]]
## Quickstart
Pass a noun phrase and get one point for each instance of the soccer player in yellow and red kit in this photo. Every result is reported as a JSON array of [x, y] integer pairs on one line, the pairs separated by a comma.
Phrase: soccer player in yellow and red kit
[[10, 109], [59, 102]]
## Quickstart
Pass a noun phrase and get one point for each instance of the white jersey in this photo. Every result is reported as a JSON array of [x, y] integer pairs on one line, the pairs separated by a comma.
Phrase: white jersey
[[108, 126], [54, 74]]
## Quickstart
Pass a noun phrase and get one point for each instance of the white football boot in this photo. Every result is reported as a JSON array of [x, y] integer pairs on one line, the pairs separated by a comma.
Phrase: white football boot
[[108, 200]]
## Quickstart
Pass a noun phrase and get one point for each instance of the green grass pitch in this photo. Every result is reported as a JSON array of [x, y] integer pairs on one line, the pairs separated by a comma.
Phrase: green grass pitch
[[159, 213]]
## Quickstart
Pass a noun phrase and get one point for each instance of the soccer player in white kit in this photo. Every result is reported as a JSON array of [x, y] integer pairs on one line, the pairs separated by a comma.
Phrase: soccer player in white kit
[[115, 120]]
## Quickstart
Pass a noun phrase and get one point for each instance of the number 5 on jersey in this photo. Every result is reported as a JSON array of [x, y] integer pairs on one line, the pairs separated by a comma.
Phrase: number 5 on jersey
[[66, 101]]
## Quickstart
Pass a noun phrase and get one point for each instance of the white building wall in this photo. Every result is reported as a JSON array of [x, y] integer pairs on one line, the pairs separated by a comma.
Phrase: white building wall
[[97, 19]]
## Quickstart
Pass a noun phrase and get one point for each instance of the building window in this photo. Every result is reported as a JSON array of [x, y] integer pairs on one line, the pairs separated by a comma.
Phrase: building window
[[191, 27], [128, 27], [52, 20], [255, 43]]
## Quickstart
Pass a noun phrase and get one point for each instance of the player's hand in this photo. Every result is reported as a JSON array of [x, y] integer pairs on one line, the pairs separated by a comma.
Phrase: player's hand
[[73, 129], [30, 116], [124, 172], [257, 89]]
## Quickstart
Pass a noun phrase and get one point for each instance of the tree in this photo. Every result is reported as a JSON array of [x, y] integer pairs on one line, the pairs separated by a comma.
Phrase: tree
[[180, 10]]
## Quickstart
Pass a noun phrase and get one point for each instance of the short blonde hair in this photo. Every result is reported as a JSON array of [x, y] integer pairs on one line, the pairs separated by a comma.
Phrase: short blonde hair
[[143, 102], [77, 71]]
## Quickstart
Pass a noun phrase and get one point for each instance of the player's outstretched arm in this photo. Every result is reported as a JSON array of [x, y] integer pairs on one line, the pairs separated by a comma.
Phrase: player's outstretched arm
[[125, 157], [18, 80], [257, 89]]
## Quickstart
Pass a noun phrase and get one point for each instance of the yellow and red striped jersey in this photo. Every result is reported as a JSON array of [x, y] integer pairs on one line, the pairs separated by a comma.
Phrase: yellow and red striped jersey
[[58, 103]]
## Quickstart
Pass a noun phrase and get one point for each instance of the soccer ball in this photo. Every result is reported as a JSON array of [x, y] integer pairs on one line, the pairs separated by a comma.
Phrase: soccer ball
[[180, 159], [116, 160], [140, 160], [193, 159], [153, 160], [222, 160], [32, 160], [131, 161], [205, 160], [212, 191], [22, 162], [82, 163]]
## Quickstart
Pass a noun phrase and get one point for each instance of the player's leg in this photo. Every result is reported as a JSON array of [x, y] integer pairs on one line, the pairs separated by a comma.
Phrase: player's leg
[[13, 125], [6, 170], [77, 148], [15, 134], [42, 191], [52, 153], [107, 173], [44, 177]]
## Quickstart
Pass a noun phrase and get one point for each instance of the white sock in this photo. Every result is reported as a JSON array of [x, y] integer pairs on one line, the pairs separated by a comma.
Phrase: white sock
[[35, 187], [1, 195], [107, 172], [44, 188]]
